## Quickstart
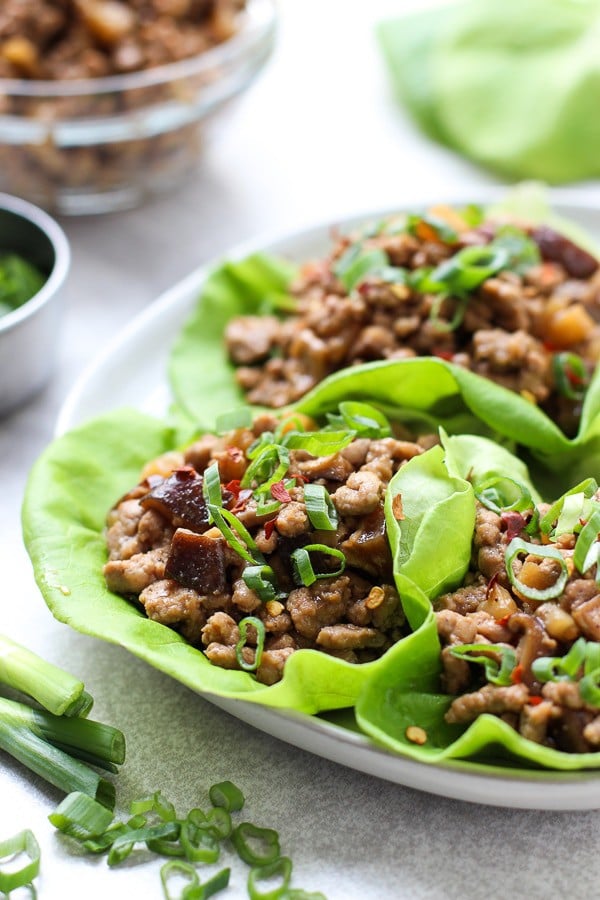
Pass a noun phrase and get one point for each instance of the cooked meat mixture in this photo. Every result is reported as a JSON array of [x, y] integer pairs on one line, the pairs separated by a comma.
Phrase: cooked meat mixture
[[518, 305], [521, 638], [252, 545], [63, 39]]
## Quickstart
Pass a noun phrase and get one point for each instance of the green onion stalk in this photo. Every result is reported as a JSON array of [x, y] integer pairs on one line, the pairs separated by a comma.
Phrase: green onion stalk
[[57, 741]]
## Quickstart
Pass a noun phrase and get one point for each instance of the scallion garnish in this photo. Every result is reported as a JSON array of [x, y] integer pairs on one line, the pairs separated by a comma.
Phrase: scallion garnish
[[523, 253], [199, 844], [237, 535], [226, 795], [268, 467], [256, 846], [155, 803], [582, 660], [500, 493], [81, 817], [570, 375], [517, 547], [280, 869], [194, 889], [261, 579], [54, 689], [243, 626], [211, 486], [319, 507], [470, 267], [442, 229], [588, 487], [587, 548], [356, 263], [487, 656], [303, 567], [23, 842]]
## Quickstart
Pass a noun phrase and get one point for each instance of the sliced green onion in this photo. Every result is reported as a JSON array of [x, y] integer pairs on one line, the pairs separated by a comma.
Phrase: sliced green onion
[[457, 316], [234, 419], [268, 467], [500, 493], [570, 375], [155, 803], [523, 253], [81, 817], [22, 736], [589, 688], [592, 657], [319, 443], [355, 264], [211, 486], [589, 487], [194, 889], [482, 654], [256, 846], [300, 894], [518, 546], [56, 690], [124, 843], [319, 507], [366, 420], [587, 546], [303, 568], [561, 668], [261, 579], [574, 510], [260, 643], [23, 842], [199, 844], [280, 868], [217, 821], [227, 795], [470, 267], [235, 533]]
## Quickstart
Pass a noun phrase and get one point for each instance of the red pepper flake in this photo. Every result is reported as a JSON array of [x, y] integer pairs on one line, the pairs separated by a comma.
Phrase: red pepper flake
[[514, 523], [234, 486], [535, 700], [280, 492], [269, 527], [517, 674], [504, 620], [397, 511], [242, 501], [444, 354]]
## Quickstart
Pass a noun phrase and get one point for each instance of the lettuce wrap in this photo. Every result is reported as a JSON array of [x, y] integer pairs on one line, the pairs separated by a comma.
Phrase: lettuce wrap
[[69, 492], [425, 388], [406, 691]]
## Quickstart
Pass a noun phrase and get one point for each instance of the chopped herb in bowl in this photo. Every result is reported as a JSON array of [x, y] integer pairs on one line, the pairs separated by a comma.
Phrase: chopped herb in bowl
[[19, 282]]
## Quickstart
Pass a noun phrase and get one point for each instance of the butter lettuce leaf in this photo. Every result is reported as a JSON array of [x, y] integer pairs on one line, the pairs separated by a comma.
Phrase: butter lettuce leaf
[[405, 690]]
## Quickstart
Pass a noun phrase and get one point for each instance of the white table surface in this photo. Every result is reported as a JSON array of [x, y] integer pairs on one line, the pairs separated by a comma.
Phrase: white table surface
[[318, 136]]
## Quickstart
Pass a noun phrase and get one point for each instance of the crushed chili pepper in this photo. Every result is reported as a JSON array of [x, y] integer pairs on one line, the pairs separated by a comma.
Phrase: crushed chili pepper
[[269, 527], [535, 700], [513, 523], [280, 492], [517, 674]]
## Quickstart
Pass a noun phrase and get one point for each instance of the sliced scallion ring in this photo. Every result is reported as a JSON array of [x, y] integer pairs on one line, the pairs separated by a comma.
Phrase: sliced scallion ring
[[589, 688], [570, 375], [23, 842], [243, 625], [303, 567], [80, 816], [268, 467], [486, 655], [261, 579], [211, 486], [235, 533], [319, 506], [518, 546], [587, 547], [500, 493], [588, 486]]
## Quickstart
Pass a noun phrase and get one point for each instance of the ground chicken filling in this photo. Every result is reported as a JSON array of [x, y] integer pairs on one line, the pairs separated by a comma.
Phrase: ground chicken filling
[[518, 305], [212, 543], [520, 639]]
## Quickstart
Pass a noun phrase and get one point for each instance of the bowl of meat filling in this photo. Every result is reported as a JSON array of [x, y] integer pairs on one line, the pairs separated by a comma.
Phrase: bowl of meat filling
[[104, 102]]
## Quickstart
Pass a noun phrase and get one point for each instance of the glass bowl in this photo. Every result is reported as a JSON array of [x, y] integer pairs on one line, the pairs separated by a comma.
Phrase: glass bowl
[[96, 145]]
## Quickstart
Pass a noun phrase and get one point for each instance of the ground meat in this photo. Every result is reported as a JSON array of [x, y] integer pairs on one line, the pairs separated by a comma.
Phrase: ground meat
[[191, 579], [508, 329], [503, 623]]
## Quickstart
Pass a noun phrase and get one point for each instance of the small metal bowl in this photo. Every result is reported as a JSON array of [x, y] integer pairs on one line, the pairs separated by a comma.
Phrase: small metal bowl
[[29, 334]]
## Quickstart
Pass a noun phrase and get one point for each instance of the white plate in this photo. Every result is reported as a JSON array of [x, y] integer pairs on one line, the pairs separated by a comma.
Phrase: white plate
[[131, 371]]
